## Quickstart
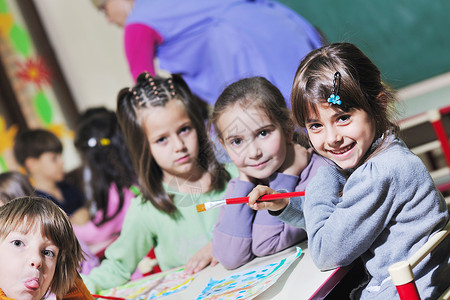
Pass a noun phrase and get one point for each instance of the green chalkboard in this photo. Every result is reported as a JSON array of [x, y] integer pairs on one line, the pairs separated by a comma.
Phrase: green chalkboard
[[408, 40]]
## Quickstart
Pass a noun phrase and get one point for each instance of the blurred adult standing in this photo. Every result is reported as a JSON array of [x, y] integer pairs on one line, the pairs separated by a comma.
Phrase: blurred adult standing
[[213, 43]]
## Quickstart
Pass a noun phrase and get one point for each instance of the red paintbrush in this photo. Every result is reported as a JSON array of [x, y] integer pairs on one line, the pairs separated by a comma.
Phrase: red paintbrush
[[214, 204], [107, 297]]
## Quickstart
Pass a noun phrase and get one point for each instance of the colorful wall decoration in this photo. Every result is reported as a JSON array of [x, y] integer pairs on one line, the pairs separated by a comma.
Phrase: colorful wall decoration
[[30, 79], [6, 142]]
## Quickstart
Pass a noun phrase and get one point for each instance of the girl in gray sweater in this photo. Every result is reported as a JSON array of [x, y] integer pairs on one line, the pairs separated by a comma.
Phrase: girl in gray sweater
[[376, 199]]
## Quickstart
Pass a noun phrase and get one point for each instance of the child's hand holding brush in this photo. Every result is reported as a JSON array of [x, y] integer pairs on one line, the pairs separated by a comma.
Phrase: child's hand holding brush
[[260, 193], [273, 205]]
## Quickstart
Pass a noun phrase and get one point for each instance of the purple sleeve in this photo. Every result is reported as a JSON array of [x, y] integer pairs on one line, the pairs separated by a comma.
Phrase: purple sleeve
[[232, 236], [283, 183], [140, 46], [270, 235], [310, 171]]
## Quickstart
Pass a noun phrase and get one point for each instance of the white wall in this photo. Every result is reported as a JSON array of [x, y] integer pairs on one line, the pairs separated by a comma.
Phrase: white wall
[[90, 53], [89, 50]]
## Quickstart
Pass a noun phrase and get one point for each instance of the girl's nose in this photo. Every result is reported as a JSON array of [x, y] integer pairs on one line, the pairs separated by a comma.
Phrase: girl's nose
[[179, 143], [333, 137], [254, 151]]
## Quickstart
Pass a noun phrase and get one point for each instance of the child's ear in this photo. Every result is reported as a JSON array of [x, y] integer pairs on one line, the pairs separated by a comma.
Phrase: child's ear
[[30, 164], [382, 99]]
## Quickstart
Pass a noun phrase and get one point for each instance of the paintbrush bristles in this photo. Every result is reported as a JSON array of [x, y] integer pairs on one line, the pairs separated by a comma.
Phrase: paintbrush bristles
[[201, 207], [209, 205]]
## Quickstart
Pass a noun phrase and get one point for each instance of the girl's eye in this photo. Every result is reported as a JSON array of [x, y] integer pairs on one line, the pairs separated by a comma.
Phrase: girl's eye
[[264, 133], [49, 253], [236, 142], [161, 140], [185, 129], [314, 126], [344, 118], [17, 243]]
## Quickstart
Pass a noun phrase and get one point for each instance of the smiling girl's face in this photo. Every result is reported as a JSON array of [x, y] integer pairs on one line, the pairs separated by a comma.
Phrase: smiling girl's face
[[343, 137], [28, 263], [254, 143]]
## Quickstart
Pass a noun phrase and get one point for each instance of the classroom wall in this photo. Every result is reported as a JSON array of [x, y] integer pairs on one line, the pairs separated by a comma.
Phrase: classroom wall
[[406, 39], [89, 50]]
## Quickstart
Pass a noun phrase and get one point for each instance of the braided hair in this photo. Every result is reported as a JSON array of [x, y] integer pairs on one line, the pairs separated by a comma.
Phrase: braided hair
[[152, 92]]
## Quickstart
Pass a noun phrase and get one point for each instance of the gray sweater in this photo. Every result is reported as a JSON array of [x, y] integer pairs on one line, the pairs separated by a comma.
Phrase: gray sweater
[[387, 209]]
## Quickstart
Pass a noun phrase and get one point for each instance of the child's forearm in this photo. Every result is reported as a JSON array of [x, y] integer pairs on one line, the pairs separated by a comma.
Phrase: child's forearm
[[232, 251], [292, 214]]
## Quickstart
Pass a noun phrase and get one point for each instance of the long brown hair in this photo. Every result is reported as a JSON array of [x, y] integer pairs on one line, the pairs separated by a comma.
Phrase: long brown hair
[[153, 92], [361, 86], [109, 163]]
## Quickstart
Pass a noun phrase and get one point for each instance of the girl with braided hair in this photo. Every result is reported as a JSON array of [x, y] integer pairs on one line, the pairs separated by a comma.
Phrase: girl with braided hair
[[177, 169]]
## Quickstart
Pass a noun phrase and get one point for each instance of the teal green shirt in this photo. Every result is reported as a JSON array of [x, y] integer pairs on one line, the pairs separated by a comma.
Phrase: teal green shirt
[[174, 241]]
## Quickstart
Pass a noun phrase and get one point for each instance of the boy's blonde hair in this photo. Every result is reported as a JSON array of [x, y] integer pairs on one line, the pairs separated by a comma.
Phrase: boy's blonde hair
[[23, 214]]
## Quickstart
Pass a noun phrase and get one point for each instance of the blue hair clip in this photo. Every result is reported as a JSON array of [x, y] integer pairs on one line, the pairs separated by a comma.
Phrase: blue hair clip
[[334, 97]]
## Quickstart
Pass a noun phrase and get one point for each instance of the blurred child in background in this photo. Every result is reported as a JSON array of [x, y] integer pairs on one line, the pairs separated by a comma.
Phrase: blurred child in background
[[13, 185], [177, 169], [40, 152], [108, 178], [254, 126]]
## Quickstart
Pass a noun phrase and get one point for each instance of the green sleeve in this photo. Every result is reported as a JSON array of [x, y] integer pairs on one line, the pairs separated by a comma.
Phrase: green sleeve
[[232, 170], [123, 256]]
